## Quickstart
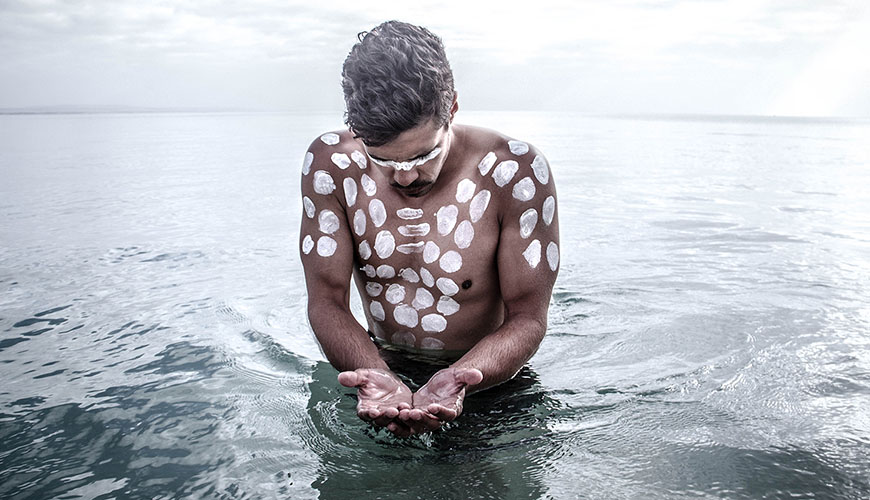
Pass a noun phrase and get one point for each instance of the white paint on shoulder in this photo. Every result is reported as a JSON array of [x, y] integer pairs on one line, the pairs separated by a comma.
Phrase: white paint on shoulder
[[341, 160], [518, 148], [395, 293], [323, 183], [464, 234], [451, 261], [328, 221], [433, 323], [349, 191], [360, 159], [486, 163], [524, 190], [532, 253], [414, 229], [307, 244], [553, 255], [478, 205], [377, 310], [405, 315], [310, 209], [548, 210], [326, 246], [504, 172], [368, 185], [528, 221], [446, 217], [306, 164], [377, 212], [447, 286], [539, 167], [447, 306], [330, 139], [431, 252], [359, 222], [465, 190], [385, 244], [409, 213]]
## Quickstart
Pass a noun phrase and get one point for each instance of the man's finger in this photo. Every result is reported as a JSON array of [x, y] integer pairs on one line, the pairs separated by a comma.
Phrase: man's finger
[[350, 379], [470, 376], [442, 412]]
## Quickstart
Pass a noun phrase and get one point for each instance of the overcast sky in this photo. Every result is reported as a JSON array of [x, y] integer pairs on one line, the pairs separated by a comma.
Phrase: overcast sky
[[765, 57]]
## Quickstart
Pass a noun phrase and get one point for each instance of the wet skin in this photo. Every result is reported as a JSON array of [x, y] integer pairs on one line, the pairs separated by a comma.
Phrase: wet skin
[[455, 253]]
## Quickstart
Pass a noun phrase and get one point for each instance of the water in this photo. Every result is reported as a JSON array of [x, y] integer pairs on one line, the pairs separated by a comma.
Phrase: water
[[708, 331]]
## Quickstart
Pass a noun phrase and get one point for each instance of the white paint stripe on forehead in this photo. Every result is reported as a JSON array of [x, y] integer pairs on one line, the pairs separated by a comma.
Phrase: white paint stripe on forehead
[[478, 205], [368, 185], [528, 221], [553, 255], [409, 248], [447, 286], [306, 164], [341, 160], [409, 213], [307, 244], [326, 246], [427, 277], [405, 315], [349, 191], [359, 222], [414, 229], [377, 212], [486, 163], [465, 190], [385, 244], [407, 165], [451, 261], [431, 252], [518, 148], [446, 217], [464, 234], [532, 253], [422, 299], [524, 190], [548, 210], [365, 250], [539, 167], [360, 159], [386, 271], [431, 344], [329, 139], [310, 209], [434, 323], [504, 172], [328, 221], [377, 311], [395, 293], [323, 183]]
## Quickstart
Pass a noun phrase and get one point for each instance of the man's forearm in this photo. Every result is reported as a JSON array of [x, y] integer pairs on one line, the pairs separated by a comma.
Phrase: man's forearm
[[501, 354], [345, 343]]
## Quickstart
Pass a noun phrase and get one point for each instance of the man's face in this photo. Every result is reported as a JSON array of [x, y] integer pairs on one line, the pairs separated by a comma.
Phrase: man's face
[[413, 160]]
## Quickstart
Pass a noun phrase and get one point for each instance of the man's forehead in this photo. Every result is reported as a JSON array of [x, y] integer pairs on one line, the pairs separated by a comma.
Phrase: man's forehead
[[409, 145]]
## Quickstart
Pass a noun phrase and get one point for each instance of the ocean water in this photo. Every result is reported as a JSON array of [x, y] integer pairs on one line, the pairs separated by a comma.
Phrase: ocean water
[[708, 332]]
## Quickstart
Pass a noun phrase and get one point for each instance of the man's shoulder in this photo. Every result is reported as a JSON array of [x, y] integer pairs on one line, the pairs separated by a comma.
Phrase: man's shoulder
[[335, 152]]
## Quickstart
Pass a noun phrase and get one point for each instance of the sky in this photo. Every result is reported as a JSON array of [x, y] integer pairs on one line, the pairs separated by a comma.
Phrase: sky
[[733, 57]]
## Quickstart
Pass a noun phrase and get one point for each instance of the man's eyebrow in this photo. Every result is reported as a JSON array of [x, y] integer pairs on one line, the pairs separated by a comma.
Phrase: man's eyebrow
[[409, 159]]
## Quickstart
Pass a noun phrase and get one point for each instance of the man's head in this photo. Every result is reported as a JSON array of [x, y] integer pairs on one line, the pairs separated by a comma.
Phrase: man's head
[[396, 78]]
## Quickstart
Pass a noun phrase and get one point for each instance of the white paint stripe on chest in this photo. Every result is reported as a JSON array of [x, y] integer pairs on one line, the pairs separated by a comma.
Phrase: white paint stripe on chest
[[447, 306], [539, 167], [532, 253], [524, 190], [373, 288], [464, 234], [553, 255], [465, 190], [328, 221], [427, 277], [306, 164], [518, 148], [434, 323], [486, 163], [478, 205], [409, 275], [329, 139], [395, 293], [446, 219], [359, 222], [414, 229], [369, 270], [451, 261], [340, 160], [422, 299], [323, 183], [431, 252], [377, 311], [447, 286], [405, 315], [377, 212], [386, 271], [528, 221], [350, 191], [385, 244], [409, 248], [431, 344], [310, 209], [368, 184], [365, 250], [409, 213], [504, 172], [548, 210]]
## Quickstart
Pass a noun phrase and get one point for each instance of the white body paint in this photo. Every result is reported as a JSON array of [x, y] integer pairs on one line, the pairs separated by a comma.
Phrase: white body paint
[[405, 315], [447, 306], [486, 163], [409, 213], [369, 270], [478, 205], [395, 293], [451, 261], [350, 191], [377, 212], [365, 250], [431, 252], [414, 229], [422, 299], [553, 255], [385, 244], [407, 165], [446, 217], [539, 167], [528, 221], [373, 289], [306, 164], [323, 183], [548, 210], [307, 244], [464, 234], [447, 286], [409, 275], [386, 271], [368, 185], [310, 209], [504, 172], [427, 277], [359, 222], [524, 190], [465, 190], [409, 248], [404, 338], [326, 246], [433, 323], [341, 160], [518, 148], [330, 139], [377, 311], [360, 159], [431, 344], [328, 221], [532, 253]]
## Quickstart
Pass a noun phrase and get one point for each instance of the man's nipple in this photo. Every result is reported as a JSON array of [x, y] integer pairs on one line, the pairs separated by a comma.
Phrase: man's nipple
[[466, 284]]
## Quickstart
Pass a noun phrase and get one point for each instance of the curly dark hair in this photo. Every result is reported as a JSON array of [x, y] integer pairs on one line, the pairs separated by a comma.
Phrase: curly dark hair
[[394, 79]]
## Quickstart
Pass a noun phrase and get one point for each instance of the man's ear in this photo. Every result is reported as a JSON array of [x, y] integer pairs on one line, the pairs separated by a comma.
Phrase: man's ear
[[455, 106]]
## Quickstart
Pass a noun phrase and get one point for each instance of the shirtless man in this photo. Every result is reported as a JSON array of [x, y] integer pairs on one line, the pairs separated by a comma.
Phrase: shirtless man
[[449, 231]]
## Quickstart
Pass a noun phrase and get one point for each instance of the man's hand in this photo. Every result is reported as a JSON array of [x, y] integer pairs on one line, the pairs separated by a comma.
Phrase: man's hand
[[381, 396], [440, 400]]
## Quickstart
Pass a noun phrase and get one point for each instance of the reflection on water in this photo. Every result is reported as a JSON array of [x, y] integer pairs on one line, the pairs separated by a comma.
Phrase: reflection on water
[[707, 333]]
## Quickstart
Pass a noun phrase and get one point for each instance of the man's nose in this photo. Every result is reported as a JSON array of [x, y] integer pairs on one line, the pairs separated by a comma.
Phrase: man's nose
[[405, 177]]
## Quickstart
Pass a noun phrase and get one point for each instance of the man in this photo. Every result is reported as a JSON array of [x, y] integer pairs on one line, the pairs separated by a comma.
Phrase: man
[[449, 231]]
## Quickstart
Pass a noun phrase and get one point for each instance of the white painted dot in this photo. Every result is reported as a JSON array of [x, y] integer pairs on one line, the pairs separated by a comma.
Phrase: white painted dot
[[548, 210], [326, 246], [486, 163], [368, 185], [451, 261], [359, 222], [518, 148], [478, 205], [465, 190], [385, 244], [409, 213], [524, 190], [323, 183], [330, 139], [306, 164], [532, 253], [427, 277], [341, 160], [307, 244], [447, 286], [395, 293], [414, 229], [431, 252], [553, 255], [446, 217], [433, 323], [447, 306], [409, 248], [405, 315], [373, 289], [360, 159], [539, 167], [431, 344], [386, 271], [504, 172], [409, 275], [365, 250], [349, 191], [310, 209], [422, 299], [328, 221], [404, 338], [377, 212], [369, 270], [377, 310], [464, 234], [528, 221]]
